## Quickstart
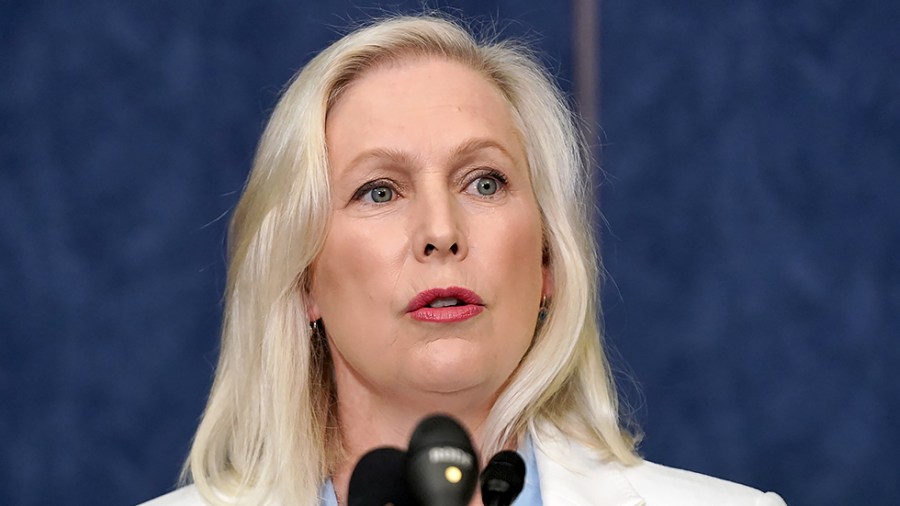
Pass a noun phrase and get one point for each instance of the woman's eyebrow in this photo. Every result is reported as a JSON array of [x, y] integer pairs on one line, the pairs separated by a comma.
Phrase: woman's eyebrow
[[393, 155], [400, 157], [474, 145]]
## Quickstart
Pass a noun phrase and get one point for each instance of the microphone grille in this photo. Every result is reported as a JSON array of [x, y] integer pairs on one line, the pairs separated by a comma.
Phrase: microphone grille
[[379, 479], [503, 475], [439, 430]]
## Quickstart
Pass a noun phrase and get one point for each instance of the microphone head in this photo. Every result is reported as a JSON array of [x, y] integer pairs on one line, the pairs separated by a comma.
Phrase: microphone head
[[441, 465], [503, 478], [378, 479]]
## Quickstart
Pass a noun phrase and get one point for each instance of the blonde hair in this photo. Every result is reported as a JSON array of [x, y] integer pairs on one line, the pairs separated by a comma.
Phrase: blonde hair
[[269, 433]]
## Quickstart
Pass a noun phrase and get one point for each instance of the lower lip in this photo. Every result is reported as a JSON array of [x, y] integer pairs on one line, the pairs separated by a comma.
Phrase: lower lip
[[446, 314]]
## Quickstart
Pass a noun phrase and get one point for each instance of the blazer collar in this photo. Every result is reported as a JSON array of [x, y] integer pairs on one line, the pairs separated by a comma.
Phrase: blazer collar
[[573, 475]]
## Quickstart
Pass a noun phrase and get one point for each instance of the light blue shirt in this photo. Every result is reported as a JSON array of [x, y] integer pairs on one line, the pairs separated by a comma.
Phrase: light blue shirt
[[531, 492], [329, 498]]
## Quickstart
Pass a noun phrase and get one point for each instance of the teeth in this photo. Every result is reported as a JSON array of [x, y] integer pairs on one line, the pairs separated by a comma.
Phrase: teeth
[[444, 302]]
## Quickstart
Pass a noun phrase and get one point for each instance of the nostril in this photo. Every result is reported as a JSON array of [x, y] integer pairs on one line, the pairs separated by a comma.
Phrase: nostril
[[454, 248], [429, 248]]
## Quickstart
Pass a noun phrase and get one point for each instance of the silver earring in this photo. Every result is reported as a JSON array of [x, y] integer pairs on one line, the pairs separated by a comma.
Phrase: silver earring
[[314, 327], [542, 312]]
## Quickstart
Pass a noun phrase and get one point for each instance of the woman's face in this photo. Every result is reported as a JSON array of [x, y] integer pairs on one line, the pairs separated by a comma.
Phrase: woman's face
[[431, 275]]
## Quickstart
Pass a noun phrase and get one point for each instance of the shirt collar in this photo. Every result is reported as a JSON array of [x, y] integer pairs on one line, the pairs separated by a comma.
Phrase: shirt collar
[[531, 492], [329, 497]]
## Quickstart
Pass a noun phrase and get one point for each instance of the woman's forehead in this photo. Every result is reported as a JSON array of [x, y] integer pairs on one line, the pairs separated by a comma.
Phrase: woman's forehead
[[422, 107]]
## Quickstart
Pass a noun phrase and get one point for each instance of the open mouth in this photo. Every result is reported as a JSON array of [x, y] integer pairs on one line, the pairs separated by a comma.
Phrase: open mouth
[[446, 302], [445, 305], [437, 298]]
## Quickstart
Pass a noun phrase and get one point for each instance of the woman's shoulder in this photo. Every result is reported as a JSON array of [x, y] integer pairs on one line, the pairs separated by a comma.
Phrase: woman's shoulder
[[662, 485], [185, 496], [573, 474]]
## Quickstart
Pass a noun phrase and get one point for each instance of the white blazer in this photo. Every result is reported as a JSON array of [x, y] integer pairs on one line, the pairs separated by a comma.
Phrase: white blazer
[[572, 475]]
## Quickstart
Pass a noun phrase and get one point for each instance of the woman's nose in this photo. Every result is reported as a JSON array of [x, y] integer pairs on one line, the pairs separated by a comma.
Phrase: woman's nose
[[439, 226]]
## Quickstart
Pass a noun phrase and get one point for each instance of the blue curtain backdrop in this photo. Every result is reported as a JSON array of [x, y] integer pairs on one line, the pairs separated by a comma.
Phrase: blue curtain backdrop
[[751, 165]]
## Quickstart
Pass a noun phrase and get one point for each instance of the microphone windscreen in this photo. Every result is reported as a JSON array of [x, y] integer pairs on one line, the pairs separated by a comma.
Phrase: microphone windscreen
[[441, 466], [503, 478], [378, 479], [439, 430]]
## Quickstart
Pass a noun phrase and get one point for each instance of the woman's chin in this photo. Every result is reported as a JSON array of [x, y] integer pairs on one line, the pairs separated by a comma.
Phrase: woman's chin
[[452, 384], [453, 368]]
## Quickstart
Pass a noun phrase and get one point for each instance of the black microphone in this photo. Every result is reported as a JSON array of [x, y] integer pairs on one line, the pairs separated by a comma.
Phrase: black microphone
[[502, 479], [378, 479], [441, 465]]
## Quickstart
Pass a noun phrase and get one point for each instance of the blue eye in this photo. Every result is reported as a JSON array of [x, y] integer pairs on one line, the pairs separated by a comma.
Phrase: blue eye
[[487, 185], [379, 191], [381, 194]]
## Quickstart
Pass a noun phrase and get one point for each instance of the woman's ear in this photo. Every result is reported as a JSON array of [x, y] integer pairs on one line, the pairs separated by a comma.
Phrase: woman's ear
[[547, 289], [309, 299], [312, 310]]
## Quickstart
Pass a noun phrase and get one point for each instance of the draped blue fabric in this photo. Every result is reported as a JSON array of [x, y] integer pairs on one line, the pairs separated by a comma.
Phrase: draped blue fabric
[[751, 156]]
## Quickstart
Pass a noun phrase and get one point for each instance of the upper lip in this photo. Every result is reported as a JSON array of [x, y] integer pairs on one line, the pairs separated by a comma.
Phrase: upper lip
[[426, 297]]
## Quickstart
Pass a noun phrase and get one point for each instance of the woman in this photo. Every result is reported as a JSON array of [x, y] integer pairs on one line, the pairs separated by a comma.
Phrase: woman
[[414, 239]]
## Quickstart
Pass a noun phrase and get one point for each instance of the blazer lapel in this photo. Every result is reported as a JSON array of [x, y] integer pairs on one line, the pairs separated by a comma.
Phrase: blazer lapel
[[571, 475]]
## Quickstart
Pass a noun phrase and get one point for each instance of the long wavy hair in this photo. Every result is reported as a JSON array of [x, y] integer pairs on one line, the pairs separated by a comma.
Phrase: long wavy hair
[[270, 432]]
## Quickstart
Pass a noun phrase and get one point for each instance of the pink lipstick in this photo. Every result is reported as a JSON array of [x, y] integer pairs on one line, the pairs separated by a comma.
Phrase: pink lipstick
[[445, 305]]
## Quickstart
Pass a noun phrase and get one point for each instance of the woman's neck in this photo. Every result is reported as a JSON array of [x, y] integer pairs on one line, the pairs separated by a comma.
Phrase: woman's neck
[[369, 421]]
